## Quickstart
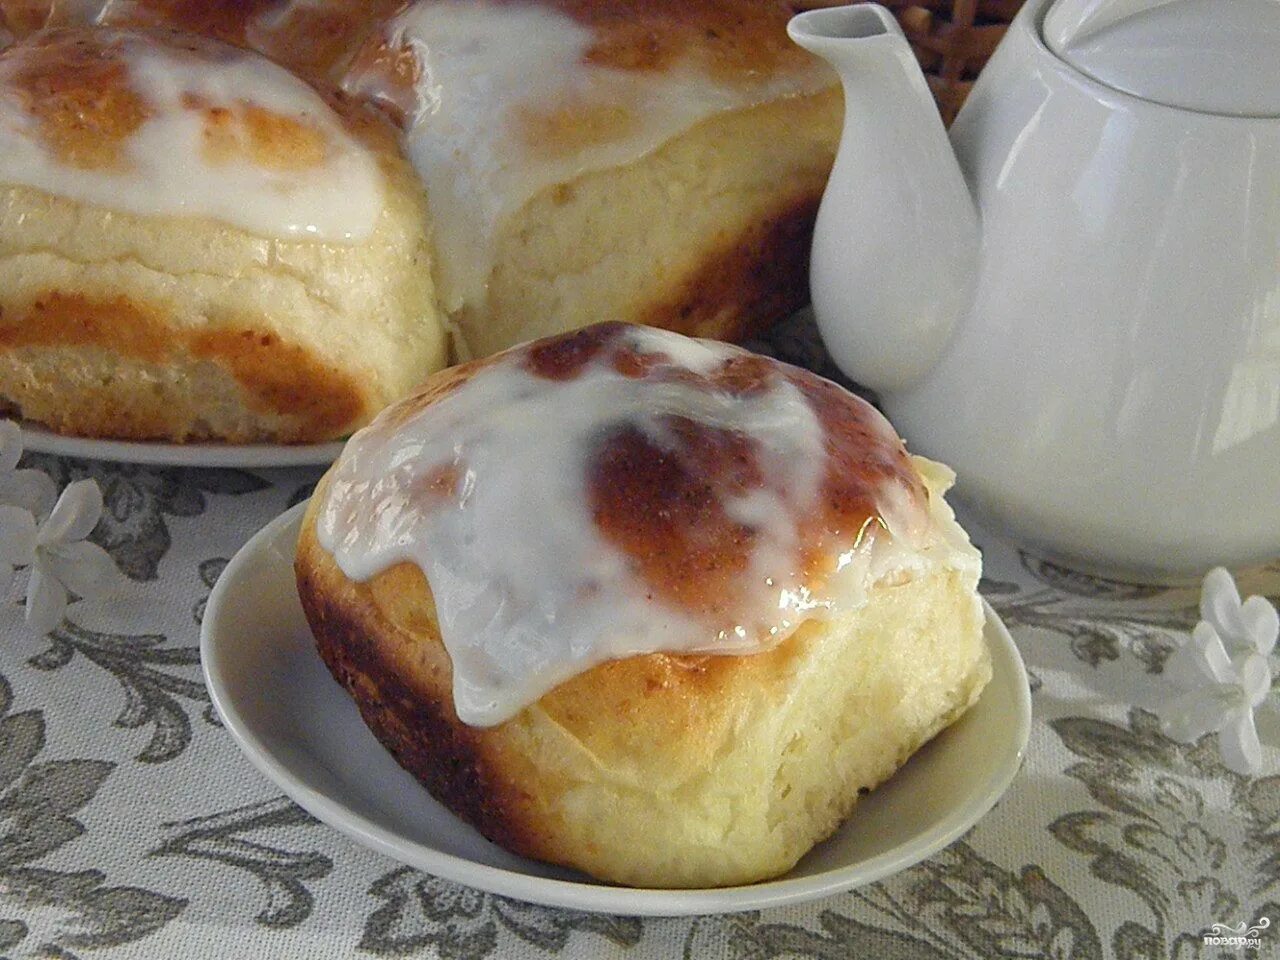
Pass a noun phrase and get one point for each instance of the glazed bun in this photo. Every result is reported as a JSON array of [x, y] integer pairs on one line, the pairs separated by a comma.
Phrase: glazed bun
[[650, 607], [176, 260]]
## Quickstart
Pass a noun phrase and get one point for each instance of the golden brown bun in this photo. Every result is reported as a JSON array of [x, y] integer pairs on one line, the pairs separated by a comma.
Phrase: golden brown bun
[[181, 328], [670, 770]]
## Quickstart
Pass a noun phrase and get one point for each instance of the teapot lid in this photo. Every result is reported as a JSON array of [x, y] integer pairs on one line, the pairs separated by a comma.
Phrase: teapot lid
[[1213, 56]]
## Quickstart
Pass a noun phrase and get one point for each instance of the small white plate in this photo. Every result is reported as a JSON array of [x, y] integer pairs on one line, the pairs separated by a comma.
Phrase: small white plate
[[303, 731], [244, 455]]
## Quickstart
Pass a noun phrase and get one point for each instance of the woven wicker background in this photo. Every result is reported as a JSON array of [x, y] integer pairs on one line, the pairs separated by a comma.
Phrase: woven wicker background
[[951, 38]]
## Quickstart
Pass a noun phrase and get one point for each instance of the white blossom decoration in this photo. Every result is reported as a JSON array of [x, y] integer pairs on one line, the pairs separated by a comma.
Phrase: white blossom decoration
[[1227, 670], [62, 560], [32, 490]]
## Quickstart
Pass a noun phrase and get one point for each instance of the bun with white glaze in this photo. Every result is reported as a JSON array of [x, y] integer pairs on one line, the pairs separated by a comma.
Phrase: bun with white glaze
[[177, 258], [650, 607]]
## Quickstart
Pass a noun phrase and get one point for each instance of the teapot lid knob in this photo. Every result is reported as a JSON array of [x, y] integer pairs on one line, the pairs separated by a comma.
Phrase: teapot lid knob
[[1210, 56]]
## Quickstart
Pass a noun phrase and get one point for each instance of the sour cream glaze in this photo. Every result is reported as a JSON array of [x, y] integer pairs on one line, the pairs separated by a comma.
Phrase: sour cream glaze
[[159, 123], [624, 491]]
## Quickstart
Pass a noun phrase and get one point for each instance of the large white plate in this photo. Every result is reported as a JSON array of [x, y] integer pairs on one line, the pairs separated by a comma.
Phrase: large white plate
[[245, 455], [300, 729]]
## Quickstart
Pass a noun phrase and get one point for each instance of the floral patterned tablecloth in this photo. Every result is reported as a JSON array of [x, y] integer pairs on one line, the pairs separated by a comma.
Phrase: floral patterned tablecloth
[[131, 826]]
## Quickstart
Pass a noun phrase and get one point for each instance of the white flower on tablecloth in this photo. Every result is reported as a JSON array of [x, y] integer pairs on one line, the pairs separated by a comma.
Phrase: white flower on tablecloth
[[33, 490], [1227, 661], [61, 559]]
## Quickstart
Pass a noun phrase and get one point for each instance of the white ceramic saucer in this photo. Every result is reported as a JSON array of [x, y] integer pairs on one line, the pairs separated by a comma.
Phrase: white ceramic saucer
[[243, 455], [300, 729]]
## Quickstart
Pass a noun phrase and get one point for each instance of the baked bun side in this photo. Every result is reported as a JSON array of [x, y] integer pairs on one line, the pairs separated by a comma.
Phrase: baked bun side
[[707, 236], [661, 770], [189, 327], [152, 328]]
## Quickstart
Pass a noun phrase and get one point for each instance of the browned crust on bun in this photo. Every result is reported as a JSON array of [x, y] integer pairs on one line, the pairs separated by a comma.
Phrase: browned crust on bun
[[283, 381], [747, 284], [414, 719]]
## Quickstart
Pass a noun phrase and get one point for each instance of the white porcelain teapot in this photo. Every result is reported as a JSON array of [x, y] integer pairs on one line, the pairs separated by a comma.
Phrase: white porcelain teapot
[[1075, 299]]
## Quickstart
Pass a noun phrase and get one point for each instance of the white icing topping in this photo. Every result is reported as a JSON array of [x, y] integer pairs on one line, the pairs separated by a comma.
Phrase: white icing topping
[[485, 65], [528, 591], [166, 170]]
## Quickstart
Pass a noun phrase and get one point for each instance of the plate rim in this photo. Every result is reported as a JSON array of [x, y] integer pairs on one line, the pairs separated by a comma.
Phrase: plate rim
[[586, 896], [156, 453]]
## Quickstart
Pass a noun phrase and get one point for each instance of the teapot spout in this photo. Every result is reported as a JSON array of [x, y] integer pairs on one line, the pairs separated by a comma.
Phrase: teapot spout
[[896, 242]]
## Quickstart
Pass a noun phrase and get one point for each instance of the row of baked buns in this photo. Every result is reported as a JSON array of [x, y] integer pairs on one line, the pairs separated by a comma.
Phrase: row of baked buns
[[265, 220]]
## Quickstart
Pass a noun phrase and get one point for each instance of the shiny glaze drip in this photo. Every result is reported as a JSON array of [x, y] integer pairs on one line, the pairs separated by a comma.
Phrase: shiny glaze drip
[[501, 99], [622, 491], [157, 123]]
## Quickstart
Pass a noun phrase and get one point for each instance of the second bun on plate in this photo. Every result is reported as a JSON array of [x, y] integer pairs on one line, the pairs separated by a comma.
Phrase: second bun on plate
[[651, 607], [196, 244]]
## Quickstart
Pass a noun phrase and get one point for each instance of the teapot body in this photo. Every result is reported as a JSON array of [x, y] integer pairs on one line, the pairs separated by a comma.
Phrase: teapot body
[[1113, 393]]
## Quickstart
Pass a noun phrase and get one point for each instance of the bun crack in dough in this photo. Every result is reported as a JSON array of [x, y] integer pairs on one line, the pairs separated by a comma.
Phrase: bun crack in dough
[[652, 607]]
